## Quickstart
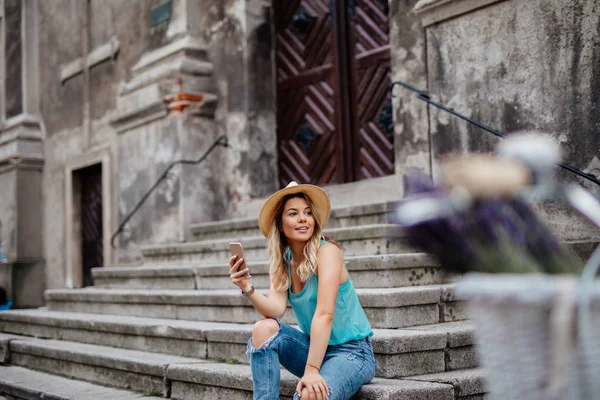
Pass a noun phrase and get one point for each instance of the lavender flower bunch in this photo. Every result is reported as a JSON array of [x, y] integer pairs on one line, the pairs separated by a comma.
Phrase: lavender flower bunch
[[491, 235]]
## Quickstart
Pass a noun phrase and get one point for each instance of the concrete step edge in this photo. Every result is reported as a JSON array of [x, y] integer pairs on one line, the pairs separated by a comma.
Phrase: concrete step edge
[[238, 377], [95, 355], [25, 383], [375, 231], [252, 222], [353, 263], [385, 341], [377, 297]]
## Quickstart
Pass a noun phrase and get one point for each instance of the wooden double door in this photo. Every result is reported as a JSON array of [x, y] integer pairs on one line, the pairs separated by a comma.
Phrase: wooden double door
[[334, 121]]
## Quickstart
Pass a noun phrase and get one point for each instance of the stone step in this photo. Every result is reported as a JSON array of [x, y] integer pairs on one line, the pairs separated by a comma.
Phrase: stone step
[[382, 271], [24, 384], [385, 308], [233, 382], [127, 369], [354, 241], [186, 378], [366, 214], [399, 352]]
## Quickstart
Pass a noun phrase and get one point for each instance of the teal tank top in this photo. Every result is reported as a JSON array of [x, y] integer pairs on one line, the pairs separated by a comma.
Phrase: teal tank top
[[349, 320]]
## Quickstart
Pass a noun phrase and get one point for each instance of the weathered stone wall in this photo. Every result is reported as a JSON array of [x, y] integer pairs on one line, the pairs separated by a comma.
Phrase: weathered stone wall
[[520, 64], [409, 64], [238, 33], [237, 37], [61, 29]]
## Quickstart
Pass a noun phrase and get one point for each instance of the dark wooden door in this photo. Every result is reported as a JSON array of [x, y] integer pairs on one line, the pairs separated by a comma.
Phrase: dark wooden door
[[332, 66], [372, 125], [91, 221]]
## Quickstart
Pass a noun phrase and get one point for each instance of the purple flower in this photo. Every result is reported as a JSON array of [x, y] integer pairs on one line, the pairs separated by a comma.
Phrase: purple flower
[[491, 235]]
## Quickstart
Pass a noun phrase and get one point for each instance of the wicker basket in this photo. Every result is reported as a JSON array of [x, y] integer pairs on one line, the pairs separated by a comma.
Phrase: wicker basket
[[526, 336]]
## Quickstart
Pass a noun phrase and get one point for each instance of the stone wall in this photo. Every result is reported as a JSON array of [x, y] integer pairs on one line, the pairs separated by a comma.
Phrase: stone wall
[[62, 104], [238, 34], [21, 157], [409, 64], [515, 65], [224, 51]]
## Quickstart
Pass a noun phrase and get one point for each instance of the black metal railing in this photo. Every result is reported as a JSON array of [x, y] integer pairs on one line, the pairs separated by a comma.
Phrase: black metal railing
[[426, 97], [221, 141]]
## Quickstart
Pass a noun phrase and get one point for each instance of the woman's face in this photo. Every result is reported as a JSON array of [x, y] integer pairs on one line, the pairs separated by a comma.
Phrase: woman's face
[[297, 221]]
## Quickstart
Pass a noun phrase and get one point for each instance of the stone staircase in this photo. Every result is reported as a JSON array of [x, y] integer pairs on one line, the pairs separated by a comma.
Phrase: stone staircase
[[176, 327]]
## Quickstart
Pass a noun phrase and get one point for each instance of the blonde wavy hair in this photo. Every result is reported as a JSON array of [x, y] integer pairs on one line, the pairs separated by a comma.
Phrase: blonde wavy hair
[[277, 245]]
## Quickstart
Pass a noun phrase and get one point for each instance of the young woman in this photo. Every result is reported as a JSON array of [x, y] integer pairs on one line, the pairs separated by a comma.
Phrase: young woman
[[332, 354]]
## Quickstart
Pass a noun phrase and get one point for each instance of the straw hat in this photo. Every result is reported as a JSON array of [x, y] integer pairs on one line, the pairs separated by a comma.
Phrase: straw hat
[[317, 195]]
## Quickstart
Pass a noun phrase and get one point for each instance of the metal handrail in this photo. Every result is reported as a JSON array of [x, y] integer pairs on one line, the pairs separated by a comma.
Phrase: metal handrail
[[221, 141], [426, 97]]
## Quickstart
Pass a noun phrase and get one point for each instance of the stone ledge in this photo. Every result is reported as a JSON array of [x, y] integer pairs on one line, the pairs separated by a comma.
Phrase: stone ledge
[[353, 263], [187, 45], [385, 308], [130, 369], [88, 354], [22, 137], [376, 231], [237, 377], [140, 100], [385, 341], [465, 382], [459, 333], [434, 11], [379, 271], [370, 298], [27, 384], [251, 223]]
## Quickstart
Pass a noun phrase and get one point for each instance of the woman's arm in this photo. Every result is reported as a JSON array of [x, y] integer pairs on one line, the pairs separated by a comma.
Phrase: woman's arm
[[329, 269], [273, 306]]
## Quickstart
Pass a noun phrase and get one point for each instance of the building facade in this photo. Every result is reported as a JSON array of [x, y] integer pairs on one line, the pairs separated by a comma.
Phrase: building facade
[[301, 89]]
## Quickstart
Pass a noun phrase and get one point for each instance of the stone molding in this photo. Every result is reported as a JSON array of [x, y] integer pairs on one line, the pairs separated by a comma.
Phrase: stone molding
[[434, 11], [188, 44], [21, 143], [186, 56], [101, 53], [140, 100]]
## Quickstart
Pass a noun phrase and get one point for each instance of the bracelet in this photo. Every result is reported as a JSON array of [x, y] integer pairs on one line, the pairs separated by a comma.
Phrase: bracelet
[[249, 292], [310, 365]]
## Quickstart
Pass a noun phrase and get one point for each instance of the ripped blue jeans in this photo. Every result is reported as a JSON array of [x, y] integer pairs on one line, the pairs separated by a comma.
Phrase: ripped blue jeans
[[345, 367]]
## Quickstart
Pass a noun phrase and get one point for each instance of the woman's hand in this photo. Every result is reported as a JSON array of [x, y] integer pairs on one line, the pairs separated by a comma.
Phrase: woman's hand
[[312, 386], [239, 278]]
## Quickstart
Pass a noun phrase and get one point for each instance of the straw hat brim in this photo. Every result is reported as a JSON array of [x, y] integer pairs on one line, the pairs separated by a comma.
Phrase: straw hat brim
[[318, 196]]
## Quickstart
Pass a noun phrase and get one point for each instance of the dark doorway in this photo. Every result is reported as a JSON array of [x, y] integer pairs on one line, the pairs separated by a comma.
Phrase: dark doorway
[[334, 121], [92, 248]]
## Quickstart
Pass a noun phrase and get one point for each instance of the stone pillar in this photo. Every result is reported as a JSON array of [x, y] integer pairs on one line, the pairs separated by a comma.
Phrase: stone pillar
[[149, 139], [409, 64], [21, 157], [239, 38]]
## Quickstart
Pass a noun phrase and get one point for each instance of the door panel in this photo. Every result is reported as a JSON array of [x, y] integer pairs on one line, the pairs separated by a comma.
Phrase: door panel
[[306, 86], [333, 78], [373, 143]]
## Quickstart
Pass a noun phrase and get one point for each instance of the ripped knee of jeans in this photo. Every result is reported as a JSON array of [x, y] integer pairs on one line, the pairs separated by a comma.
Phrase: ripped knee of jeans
[[264, 345]]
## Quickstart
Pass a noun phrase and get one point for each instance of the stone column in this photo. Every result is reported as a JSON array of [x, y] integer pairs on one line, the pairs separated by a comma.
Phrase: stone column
[[21, 158], [409, 64], [149, 139]]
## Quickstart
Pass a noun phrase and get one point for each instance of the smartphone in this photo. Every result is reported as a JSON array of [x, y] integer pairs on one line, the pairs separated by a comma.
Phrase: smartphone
[[236, 250]]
